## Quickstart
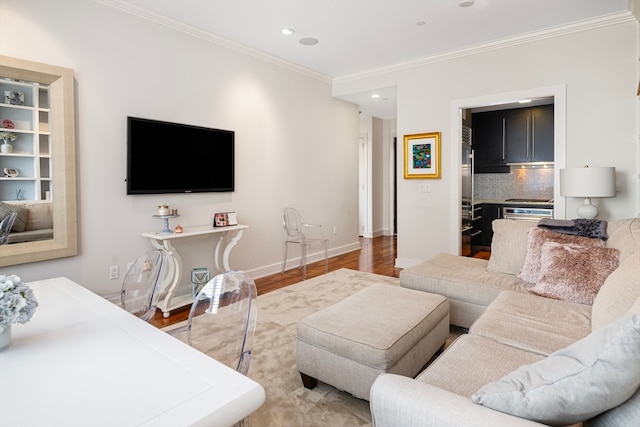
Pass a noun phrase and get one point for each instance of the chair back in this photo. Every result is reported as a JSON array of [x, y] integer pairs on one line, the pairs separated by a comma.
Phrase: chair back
[[5, 227], [292, 223], [222, 319], [141, 285]]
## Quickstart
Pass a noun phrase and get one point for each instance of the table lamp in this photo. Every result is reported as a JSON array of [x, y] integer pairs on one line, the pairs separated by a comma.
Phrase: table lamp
[[588, 182]]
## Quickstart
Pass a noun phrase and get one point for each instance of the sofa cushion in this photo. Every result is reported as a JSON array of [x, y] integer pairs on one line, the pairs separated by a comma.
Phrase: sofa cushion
[[539, 236], [627, 414], [574, 273], [593, 375], [532, 323], [509, 245], [40, 217], [624, 235], [618, 294], [6, 209]]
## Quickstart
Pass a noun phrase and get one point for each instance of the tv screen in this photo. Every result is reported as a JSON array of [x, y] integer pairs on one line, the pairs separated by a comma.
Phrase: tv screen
[[165, 157]]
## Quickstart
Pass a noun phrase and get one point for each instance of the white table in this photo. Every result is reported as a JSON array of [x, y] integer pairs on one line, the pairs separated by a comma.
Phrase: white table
[[160, 240], [82, 361]]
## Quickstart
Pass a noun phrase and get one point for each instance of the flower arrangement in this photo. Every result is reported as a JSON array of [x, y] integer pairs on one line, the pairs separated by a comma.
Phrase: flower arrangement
[[17, 302], [8, 136]]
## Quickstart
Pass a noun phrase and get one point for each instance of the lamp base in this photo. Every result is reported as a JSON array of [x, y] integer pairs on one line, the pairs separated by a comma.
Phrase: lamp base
[[587, 210]]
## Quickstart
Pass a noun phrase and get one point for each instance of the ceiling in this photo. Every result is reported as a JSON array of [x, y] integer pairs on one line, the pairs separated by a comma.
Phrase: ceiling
[[360, 36]]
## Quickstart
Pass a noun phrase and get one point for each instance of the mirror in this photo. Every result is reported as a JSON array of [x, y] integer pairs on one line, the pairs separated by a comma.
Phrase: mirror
[[59, 163]]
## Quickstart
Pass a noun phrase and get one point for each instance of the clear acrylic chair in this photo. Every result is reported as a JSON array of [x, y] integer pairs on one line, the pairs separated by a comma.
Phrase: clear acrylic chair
[[5, 227], [141, 285], [306, 235]]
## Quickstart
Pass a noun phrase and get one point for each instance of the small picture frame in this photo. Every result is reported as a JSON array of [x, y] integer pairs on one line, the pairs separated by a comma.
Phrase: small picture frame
[[13, 97], [199, 278], [422, 156], [225, 219]]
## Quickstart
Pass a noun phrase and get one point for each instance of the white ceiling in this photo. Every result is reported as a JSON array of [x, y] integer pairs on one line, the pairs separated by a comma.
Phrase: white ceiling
[[358, 36]]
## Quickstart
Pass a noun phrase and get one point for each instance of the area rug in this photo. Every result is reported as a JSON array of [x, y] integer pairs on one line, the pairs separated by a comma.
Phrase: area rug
[[273, 365]]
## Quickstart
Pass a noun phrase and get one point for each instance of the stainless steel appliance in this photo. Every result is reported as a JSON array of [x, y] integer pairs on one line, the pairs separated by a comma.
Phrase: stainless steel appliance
[[468, 203], [526, 214]]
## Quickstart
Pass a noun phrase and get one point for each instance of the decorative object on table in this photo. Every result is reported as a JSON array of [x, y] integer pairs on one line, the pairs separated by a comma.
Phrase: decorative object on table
[[11, 173], [588, 182], [8, 124], [17, 305], [13, 97], [163, 210], [179, 229], [225, 219], [199, 278], [422, 156], [7, 137]]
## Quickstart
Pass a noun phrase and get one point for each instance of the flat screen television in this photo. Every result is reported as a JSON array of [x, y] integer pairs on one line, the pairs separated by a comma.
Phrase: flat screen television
[[165, 157]]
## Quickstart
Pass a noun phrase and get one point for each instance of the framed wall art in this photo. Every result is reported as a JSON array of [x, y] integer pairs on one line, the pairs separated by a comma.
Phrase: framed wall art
[[422, 155]]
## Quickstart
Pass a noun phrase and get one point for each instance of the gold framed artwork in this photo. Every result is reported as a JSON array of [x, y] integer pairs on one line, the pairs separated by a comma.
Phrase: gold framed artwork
[[422, 156]]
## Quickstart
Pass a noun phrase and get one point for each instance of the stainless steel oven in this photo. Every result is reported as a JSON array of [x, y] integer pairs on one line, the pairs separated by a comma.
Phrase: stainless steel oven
[[526, 214]]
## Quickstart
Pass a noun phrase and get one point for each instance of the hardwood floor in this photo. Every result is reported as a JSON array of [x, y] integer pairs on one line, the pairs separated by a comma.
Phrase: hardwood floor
[[376, 255]]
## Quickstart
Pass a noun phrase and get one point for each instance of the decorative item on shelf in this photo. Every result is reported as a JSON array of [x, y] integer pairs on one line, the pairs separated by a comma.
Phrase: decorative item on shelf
[[19, 194], [13, 97], [163, 210], [179, 229], [11, 173], [17, 305], [8, 124], [7, 137], [588, 182], [225, 219]]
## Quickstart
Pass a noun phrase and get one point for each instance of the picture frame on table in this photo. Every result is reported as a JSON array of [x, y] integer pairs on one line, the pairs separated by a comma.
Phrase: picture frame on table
[[422, 159]]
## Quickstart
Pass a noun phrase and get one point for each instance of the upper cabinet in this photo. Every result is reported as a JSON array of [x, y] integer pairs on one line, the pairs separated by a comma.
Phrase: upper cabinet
[[521, 135], [529, 135], [26, 154]]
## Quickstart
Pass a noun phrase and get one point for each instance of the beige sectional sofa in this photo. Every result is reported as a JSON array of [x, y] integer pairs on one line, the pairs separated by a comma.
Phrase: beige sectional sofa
[[34, 220], [528, 359]]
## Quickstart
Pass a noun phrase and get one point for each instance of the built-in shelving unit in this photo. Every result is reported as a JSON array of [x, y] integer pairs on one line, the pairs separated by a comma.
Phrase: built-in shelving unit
[[31, 155]]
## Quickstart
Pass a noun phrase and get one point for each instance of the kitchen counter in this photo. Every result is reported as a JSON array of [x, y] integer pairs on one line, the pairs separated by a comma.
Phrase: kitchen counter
[[514, 203]]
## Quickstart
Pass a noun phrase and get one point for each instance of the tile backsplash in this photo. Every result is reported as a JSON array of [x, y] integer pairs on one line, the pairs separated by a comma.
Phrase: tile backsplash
[[518, 184]]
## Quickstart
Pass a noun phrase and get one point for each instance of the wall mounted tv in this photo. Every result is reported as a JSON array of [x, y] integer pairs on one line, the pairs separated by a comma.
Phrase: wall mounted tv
[[165, 157]]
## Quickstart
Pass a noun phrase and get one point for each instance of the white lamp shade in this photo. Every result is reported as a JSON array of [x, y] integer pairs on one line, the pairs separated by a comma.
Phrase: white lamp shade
[[588, 182]]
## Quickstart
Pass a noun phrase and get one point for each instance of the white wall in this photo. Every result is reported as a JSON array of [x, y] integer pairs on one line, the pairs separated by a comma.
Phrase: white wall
[[295, 144], [598, 67]]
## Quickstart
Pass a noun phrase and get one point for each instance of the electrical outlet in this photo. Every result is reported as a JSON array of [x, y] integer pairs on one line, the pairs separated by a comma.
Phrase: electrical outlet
[[335, 229], [114, 272]]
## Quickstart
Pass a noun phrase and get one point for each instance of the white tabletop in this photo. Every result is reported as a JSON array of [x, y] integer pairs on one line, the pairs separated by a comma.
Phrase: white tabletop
[[82, 361]]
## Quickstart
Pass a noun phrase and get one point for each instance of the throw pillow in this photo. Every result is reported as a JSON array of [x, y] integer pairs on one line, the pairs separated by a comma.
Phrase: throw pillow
[[593, 375], [6, 209], [508, 245], [574, 273], [536, 238]]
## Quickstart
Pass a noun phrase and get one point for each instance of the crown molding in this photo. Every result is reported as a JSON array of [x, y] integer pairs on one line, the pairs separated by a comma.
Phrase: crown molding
[[603, 21], [210, 37]]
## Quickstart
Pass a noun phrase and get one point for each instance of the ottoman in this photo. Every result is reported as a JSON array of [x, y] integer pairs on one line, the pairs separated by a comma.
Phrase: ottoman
[[382, 328]]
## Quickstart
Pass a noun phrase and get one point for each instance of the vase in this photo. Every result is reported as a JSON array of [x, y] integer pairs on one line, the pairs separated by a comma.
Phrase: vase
[[6, 147], [5, 338]]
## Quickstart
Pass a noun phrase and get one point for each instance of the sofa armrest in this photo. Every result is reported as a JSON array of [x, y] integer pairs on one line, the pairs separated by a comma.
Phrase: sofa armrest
[[398, 401]]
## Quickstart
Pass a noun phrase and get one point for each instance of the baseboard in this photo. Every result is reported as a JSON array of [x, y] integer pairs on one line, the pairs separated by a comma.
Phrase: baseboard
[[274, 268]]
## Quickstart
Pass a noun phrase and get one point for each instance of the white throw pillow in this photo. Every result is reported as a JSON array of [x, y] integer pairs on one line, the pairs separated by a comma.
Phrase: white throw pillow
[[593, 375]]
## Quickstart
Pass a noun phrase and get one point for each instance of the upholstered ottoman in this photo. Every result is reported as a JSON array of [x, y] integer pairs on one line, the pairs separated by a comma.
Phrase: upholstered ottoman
[[382, 328]]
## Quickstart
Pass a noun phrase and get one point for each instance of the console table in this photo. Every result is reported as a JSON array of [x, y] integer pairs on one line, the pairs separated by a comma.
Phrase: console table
[[83, 361], [168, 298]]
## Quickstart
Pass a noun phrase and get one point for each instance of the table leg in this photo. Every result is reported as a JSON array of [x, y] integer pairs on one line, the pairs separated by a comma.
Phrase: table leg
[[227, 249], [172, 278]]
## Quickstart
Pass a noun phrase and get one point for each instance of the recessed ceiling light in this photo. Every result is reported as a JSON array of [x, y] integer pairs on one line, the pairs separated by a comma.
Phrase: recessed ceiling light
[[420, 23], [524, 101], [288, 31], [308, 41], [375, 95], [466, 3]]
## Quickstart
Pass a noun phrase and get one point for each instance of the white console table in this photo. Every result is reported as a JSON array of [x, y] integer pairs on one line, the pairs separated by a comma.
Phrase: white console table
[[168, 299]]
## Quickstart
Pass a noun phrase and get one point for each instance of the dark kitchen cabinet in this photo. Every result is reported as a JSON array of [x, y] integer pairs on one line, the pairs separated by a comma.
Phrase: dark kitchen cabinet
[[529, 134], [489, 141], [490, 212]]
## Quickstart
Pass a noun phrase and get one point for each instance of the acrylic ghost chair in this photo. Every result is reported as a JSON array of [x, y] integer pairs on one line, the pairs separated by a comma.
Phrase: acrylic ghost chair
[[141, 285], [306, 235], [5, 227]]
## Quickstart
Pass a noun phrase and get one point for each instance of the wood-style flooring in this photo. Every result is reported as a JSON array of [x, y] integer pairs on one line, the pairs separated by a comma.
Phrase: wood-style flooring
[[376, 255]]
